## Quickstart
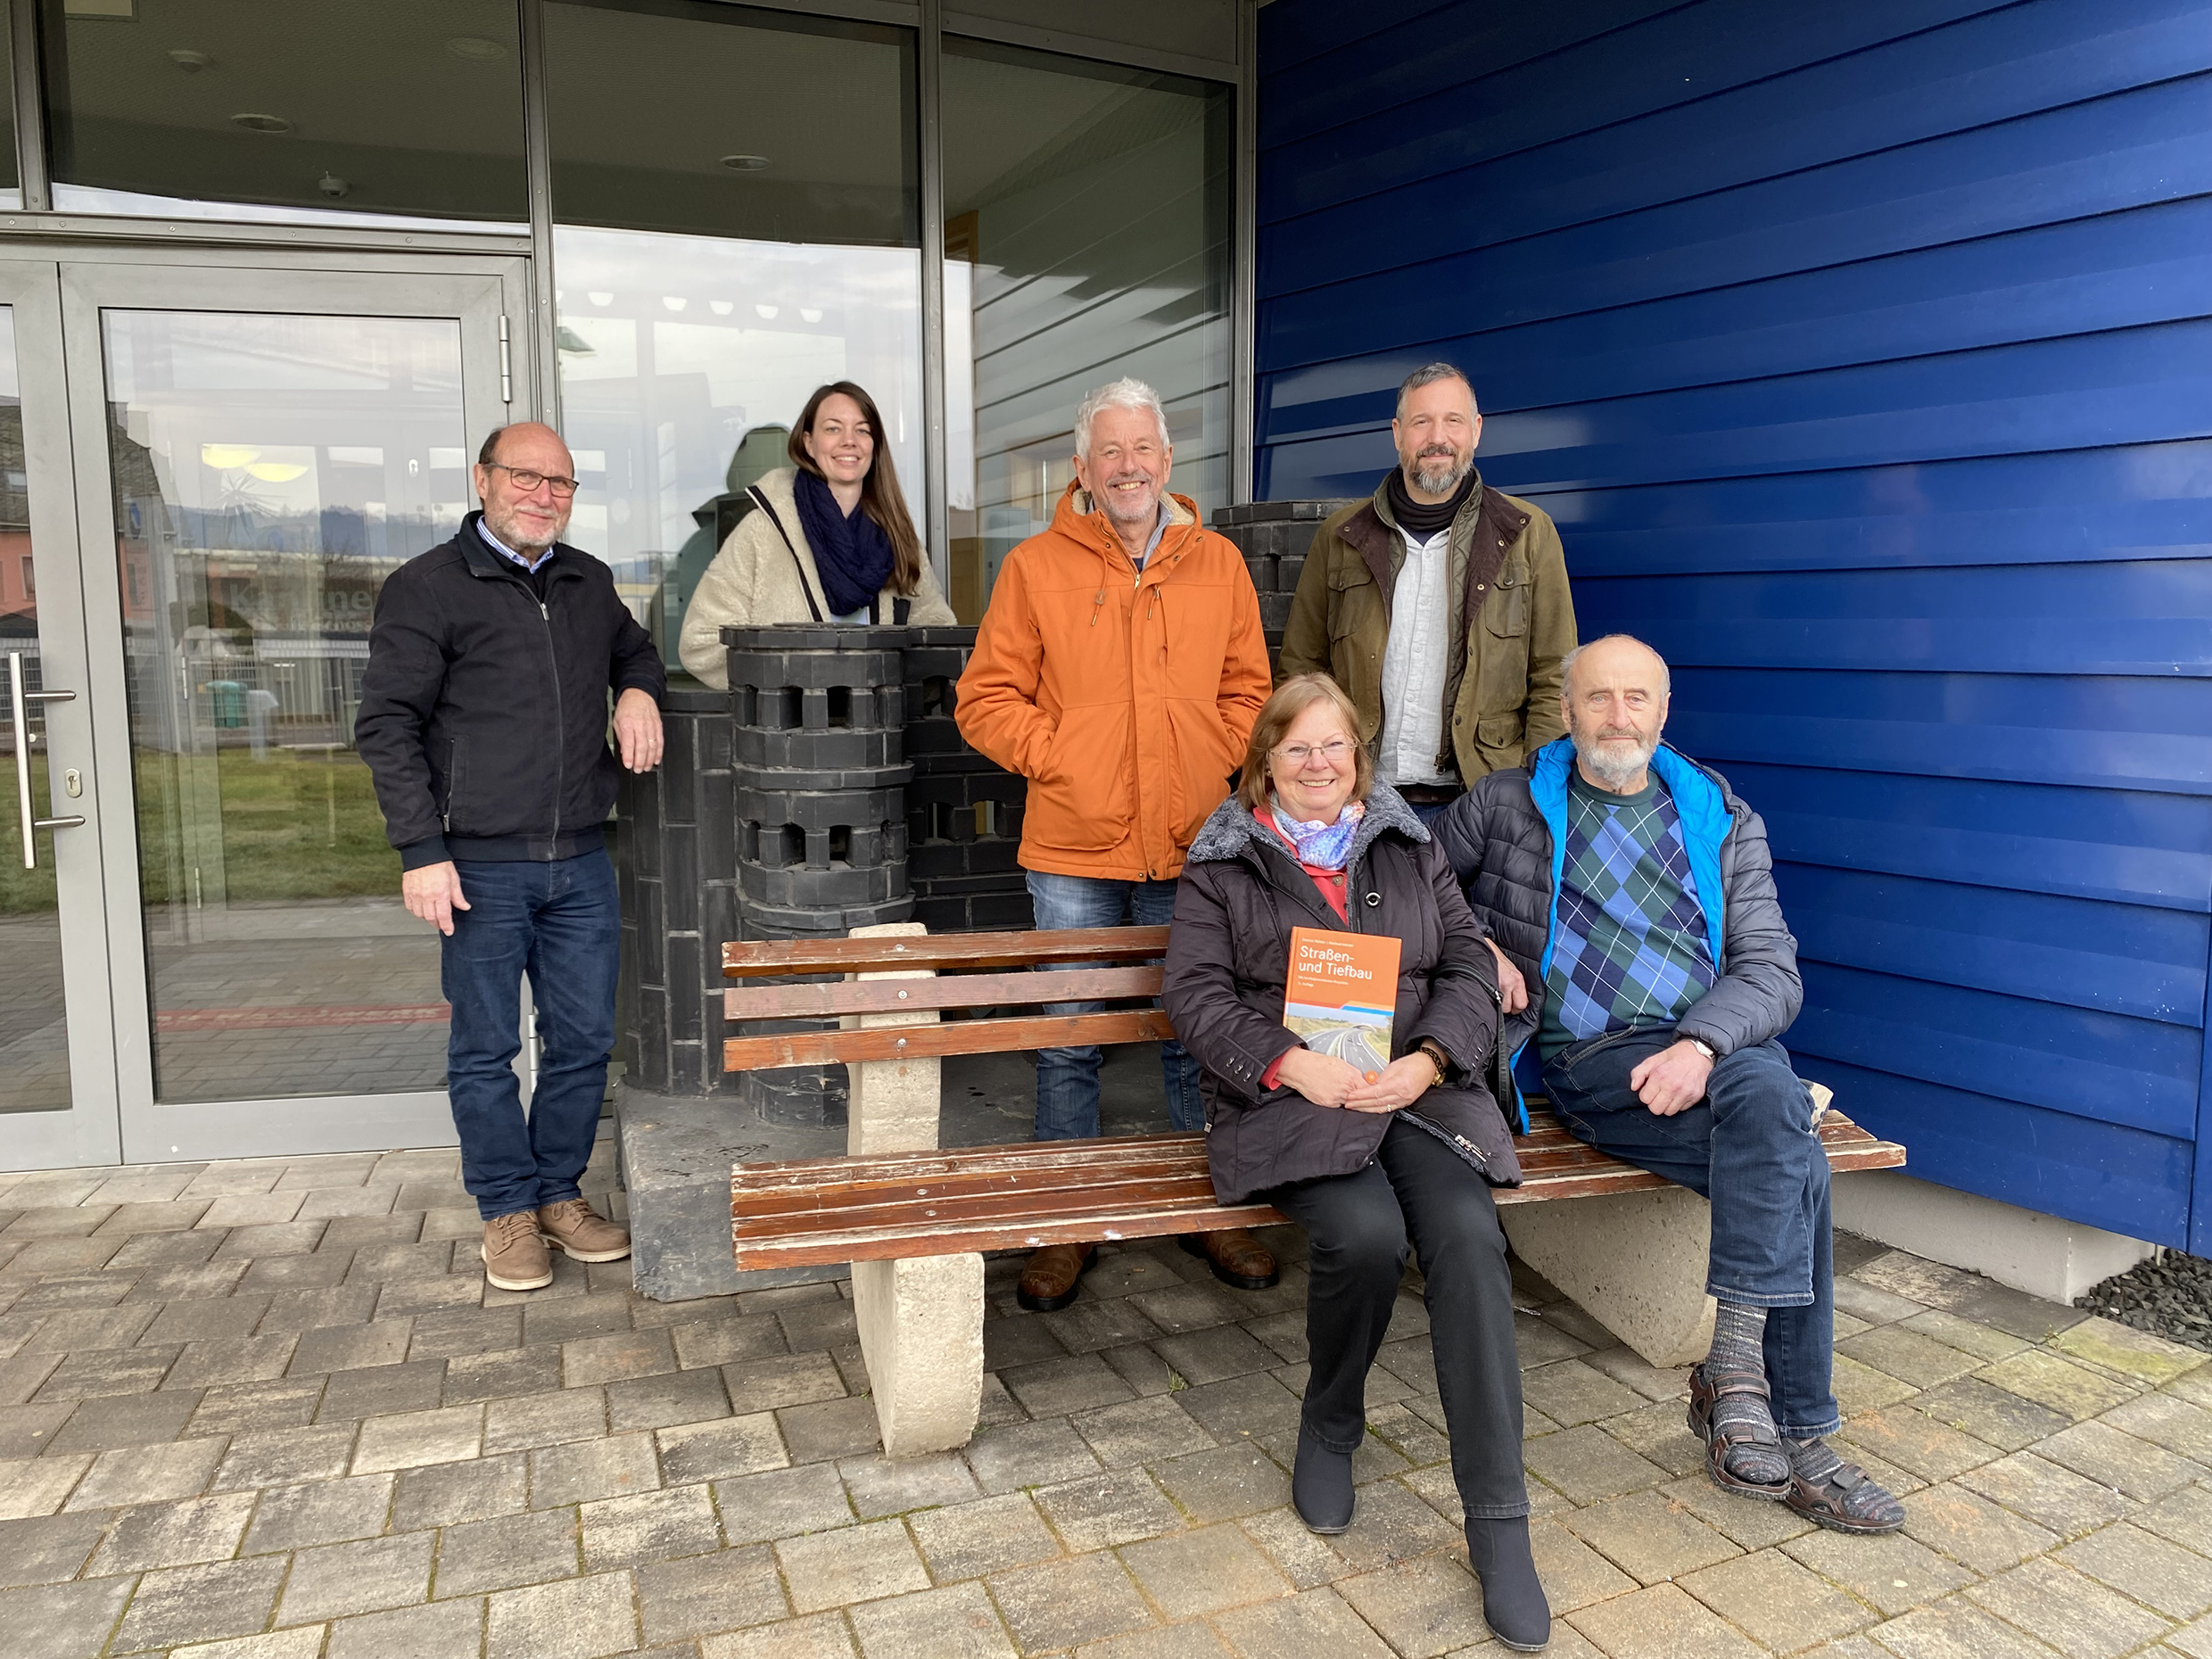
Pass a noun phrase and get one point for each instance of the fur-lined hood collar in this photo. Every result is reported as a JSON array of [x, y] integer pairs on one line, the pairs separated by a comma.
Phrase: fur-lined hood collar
[[1233, 828]]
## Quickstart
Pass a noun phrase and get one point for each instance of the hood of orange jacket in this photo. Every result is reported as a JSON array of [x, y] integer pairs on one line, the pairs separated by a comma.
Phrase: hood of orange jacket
[[1125, 698]]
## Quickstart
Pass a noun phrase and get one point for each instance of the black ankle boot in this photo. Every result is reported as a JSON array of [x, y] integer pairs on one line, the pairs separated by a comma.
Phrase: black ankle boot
[[1513, 1597], [1321, 1485]]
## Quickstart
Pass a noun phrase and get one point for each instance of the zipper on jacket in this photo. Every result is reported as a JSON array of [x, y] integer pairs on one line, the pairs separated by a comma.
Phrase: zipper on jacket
[[560, 715]]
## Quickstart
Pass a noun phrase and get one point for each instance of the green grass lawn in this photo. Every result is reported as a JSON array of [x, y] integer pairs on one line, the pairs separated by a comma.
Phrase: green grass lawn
[[293, 826]]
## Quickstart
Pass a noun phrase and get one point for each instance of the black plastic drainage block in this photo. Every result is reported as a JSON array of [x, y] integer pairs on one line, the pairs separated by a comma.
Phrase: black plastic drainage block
[[820, 782]]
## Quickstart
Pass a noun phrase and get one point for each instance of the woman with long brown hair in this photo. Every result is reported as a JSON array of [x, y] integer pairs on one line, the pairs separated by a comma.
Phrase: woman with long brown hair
[[828, 540]]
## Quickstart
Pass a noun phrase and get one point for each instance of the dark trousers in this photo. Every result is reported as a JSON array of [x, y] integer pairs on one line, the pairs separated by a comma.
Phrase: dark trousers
[[560, 923], [1750, 1147], [1416, 1194]]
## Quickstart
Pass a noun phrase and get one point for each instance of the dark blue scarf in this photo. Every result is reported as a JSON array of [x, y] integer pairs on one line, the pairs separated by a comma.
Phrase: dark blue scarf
[[853, 554]]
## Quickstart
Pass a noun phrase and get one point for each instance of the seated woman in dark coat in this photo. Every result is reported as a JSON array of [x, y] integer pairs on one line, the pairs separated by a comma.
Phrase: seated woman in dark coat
[[1367, 1168]]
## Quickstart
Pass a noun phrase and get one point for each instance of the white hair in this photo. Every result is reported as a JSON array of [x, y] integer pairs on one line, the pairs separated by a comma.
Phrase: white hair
[[1126, 393]]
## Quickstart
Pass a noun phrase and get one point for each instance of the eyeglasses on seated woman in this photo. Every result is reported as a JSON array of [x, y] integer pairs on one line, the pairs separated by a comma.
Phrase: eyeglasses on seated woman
[[825, 539], [1373, 1164]]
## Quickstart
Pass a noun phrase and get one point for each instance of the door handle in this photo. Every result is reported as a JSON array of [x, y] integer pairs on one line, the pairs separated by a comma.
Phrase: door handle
[[19, 708]]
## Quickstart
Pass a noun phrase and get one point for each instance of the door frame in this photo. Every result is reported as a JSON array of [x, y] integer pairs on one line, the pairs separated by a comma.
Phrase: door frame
[[88, 1130], [488, 296]]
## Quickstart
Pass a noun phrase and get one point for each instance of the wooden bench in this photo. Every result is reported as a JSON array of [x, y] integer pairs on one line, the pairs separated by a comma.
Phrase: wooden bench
[[914, 1220]]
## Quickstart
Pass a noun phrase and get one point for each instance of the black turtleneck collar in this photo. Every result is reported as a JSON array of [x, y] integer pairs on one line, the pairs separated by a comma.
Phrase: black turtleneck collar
[[1420, 520]]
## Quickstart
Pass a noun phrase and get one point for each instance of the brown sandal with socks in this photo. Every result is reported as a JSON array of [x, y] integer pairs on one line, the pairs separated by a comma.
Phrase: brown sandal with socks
[[1707, 1391]]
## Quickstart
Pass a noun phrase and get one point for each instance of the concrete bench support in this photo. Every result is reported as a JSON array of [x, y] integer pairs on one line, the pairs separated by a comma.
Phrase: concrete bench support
[[920, 1320], [1633, 1261]]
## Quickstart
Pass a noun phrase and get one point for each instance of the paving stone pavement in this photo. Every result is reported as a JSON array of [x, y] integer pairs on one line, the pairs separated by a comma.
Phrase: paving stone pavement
[[267, 1409]]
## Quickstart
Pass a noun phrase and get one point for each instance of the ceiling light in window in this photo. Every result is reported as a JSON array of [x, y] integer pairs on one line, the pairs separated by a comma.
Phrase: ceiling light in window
[[600, 296], [766, 313], [192, 63], [223, 457], [721, 307], [275, 472], [475, 48], [811, 314], [254, 123], [674, 301], [744, 164]]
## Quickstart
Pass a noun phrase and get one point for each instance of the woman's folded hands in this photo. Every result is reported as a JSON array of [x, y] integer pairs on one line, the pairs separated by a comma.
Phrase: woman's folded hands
[[1327, 1081]]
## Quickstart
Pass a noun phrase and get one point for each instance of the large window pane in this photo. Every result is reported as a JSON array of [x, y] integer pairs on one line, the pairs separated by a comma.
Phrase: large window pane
[[736, 192], [270, 471], [1087, 238], [311, 110]]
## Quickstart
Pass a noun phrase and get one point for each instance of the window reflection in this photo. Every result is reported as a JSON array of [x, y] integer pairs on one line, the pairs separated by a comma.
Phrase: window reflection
[[736, 196], [315, 110], [271, 473], [1087, 236]]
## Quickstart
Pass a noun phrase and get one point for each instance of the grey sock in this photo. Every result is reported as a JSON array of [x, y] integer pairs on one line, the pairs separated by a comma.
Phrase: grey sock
[[1814, 1460], [1739, 1344]]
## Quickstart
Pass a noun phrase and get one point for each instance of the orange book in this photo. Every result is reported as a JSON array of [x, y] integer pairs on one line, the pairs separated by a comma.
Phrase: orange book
[[1341, 993]]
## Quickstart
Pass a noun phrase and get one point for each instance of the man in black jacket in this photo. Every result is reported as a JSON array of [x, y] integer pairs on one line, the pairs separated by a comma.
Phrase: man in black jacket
[[483, 722]]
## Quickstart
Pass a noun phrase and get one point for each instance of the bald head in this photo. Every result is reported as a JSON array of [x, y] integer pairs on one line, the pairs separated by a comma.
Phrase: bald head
[[1614, 699], [529, 519]]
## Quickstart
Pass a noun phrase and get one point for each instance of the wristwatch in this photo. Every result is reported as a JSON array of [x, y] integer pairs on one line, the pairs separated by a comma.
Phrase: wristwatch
[[1703, 1048], [1435, 1051]]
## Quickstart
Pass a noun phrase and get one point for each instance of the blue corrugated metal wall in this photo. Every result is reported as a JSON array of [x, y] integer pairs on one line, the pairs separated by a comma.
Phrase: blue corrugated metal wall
[[1864, 355]]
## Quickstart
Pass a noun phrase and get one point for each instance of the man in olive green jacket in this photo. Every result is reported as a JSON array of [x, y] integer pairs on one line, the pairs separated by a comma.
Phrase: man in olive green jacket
[[1440, 605]]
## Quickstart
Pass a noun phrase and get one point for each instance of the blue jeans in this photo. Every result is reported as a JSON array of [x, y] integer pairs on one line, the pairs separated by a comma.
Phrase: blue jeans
[[1750, 1147], [560, 923], [1067, 1107]]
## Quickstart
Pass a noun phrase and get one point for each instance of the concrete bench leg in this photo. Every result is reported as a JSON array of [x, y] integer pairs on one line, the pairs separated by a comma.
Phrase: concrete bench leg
[[922, 1333], [1634, 1261], [920, 1320]]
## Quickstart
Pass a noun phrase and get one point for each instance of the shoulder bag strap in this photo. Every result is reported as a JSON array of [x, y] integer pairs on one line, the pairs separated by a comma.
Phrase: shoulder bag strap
[[760, 502]]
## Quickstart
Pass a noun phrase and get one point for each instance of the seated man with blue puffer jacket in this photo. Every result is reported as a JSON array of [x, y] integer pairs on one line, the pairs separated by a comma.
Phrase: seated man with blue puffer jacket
[[1630, 897]]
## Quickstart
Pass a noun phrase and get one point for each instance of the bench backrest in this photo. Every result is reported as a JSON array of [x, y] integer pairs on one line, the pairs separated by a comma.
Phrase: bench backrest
[[1068, 967]]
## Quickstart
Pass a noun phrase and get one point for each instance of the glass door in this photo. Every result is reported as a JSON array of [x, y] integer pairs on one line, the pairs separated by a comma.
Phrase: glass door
[[57, 1075], [256, 453]]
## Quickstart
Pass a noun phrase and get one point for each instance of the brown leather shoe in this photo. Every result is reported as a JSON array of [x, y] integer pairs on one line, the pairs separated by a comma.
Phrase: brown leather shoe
[[1049, 1281], [515, 1257], [573, 1225], [1238, 1259]]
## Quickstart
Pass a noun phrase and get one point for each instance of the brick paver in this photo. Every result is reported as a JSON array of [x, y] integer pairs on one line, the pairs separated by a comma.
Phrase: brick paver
[[267, 1410]]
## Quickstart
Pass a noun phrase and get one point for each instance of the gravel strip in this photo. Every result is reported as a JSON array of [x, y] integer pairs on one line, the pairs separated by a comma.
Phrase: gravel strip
[[2171, 1296]]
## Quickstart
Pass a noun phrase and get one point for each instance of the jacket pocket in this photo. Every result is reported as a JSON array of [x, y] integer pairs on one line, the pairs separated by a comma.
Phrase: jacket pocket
[[455, 765], [1500, 738], [1201, 765], [1083, 802], [1507, 615]]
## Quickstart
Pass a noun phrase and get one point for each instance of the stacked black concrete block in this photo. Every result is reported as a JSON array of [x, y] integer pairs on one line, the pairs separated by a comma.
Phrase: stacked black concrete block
[[675, 861], [1274, 537], [818, 719], [964, 812]]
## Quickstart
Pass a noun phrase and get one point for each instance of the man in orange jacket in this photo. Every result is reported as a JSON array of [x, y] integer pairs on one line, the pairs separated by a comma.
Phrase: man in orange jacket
[[1118, 668]]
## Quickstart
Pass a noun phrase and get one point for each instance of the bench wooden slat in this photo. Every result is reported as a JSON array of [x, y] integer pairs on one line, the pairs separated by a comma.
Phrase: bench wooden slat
[[880, 955], [835, 1209], [974, 990], [966, 1036]]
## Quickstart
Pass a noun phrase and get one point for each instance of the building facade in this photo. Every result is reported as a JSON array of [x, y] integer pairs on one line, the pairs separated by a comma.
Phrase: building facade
[[267, 279], [1860, 353]]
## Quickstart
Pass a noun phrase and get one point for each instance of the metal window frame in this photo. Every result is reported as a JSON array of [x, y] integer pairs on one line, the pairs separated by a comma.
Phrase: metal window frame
[[931, 22]]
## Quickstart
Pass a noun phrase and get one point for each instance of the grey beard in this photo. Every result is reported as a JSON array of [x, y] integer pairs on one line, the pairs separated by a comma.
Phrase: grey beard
[[1614, 772], [1442, 477]]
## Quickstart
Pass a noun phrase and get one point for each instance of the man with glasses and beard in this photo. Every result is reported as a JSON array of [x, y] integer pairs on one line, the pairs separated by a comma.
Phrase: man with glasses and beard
[[483, 721], [1632, 897], [1440, 605]]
